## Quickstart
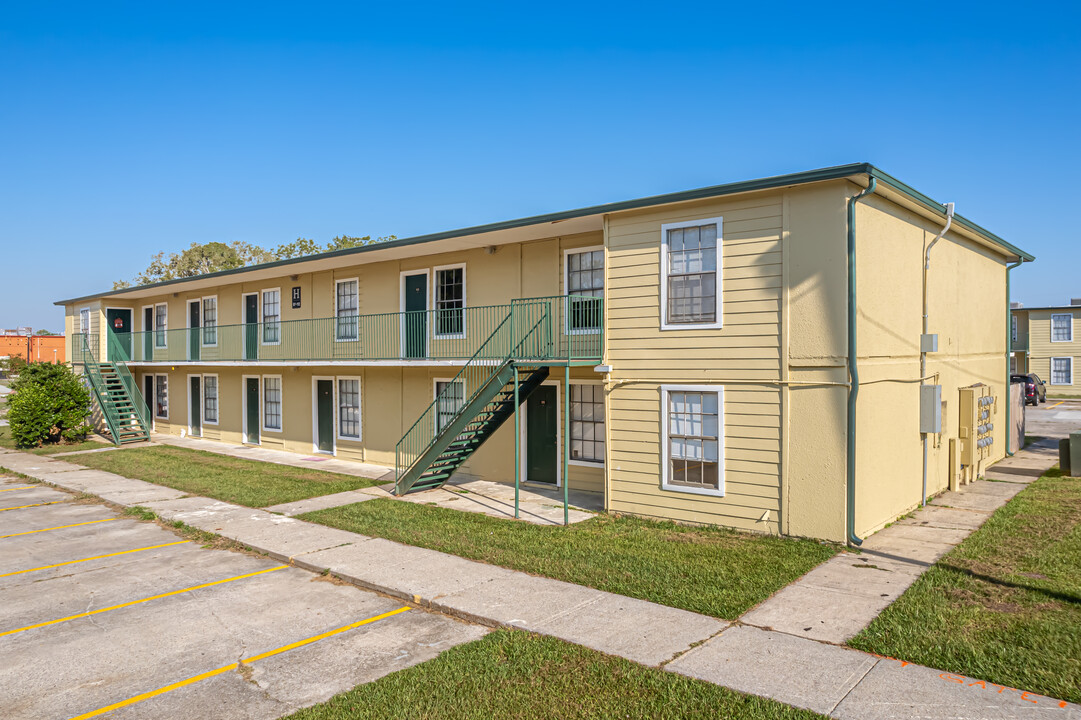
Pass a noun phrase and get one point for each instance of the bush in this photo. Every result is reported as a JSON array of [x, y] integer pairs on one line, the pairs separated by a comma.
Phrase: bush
[[13, 365], [48, 403]]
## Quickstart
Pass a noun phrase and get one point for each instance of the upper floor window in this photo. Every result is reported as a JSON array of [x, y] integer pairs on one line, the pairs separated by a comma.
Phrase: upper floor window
[[1013, 329], [272, 315], [346, 309], [584, 286], [690, 282], [450, 301], [210, 321], [84, 320], [161, 319], [1062, 327]]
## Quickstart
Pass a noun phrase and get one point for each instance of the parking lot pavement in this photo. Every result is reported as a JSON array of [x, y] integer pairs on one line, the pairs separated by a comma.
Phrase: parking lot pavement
[[102, 613], [1053, 419]]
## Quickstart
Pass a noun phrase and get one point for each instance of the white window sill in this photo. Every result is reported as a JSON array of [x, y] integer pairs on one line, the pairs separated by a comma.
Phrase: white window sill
[[693, 490]]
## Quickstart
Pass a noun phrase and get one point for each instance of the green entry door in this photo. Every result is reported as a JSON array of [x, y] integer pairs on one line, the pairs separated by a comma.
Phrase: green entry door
[[148, 398], [148, 334], [416, 316], [542, 435], [324, 401], [193, 330], [251, 410], [251, 327], [119, 321], [195, 407]]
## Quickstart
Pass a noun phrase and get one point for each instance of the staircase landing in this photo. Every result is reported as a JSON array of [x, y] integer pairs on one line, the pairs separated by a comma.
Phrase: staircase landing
[[538, 505]]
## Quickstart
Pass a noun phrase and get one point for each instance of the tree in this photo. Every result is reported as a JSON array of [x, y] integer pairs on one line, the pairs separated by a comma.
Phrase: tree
[[43, 332], [48, 403], [298, 248]]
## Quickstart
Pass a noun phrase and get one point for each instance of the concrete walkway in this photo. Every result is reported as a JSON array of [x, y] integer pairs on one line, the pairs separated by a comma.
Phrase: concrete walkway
[[889, 561], [836, 681]]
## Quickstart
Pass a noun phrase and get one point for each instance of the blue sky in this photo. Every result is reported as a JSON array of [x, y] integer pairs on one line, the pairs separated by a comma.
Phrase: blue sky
[[127, 129]]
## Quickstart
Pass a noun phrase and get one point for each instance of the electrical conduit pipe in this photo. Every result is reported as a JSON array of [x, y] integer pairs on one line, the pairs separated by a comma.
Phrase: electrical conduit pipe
[[1009, 356], [853, 373], [923, 355]]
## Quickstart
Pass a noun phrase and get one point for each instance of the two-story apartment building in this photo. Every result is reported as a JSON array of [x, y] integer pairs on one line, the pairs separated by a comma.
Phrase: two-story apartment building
[[747, 355], [1045, 343]]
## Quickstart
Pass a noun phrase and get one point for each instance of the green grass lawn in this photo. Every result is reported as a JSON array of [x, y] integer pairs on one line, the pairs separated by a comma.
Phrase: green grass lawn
[[9, 442], [708, 570], [245, 482], [511, 674], [1004, 605]]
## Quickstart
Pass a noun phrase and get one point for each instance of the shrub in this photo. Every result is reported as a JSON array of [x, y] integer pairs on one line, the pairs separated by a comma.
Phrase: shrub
[[13, 365], [48, 403]]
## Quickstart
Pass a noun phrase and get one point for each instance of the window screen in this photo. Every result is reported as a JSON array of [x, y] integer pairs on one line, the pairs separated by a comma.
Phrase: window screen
[[1062, 371], [272, 309], [1062, 328], [692, 274], [693, 447], [450, 301], [348, 307], [272, 403], [210, 321], [349, 408]]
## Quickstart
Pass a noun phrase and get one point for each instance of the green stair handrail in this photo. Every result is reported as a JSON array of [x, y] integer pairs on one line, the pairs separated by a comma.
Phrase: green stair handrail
[[97, 386], [116, 349], [505, 344]]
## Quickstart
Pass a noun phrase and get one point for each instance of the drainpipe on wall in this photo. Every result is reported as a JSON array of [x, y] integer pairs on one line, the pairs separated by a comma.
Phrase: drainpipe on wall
[[1009, 356], [923, 355], [853, 373]]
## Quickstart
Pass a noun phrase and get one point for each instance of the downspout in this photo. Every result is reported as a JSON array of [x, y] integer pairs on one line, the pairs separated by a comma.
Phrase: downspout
[[923, 355], [853, 373], [1009, 356]]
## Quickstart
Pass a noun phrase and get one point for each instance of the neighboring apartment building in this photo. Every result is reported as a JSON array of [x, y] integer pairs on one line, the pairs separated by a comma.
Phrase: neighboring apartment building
[[33, 348], [684, 356], [1046, 342]]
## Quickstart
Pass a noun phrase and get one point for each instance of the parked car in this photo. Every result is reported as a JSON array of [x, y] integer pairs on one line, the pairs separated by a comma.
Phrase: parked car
[[1035, 390]]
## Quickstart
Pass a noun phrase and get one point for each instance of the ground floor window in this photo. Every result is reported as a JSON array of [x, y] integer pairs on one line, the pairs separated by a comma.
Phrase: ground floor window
[[349, 409], [587, 423], [693, 419], [1062, 371], [272, 403], [449, 398], [210, 398], [161, 396]]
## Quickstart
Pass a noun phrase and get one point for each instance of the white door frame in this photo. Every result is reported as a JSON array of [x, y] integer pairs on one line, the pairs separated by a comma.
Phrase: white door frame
[[333, 414], [426, 272], [559, 438]]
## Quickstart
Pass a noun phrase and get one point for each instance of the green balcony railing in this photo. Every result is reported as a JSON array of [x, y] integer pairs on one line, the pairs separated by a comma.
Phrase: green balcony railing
[[574, 333]]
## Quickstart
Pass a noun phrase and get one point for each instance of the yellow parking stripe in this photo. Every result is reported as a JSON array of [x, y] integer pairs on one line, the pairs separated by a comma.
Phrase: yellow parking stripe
[[96, 557], [143, 600], [25, 487], [20, 507], [1056, 404], [234, 666], [58, 527]]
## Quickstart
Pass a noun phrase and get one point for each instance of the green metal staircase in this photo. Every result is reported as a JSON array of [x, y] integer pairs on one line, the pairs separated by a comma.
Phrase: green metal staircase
[[438, 443], [121, 404]]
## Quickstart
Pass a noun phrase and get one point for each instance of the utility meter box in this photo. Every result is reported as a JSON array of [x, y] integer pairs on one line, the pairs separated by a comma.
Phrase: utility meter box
[[976, 423], [930, 408], [929, 342]]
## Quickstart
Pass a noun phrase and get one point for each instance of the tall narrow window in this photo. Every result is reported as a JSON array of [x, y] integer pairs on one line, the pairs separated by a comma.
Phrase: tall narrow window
[[587, 423], [347, 306], [1062, 328], [161, 396], [689, 277], [272, 403], [692, 434], [449, 398], [349, 409], [161, 319], [210, 398], [84, 321], [1062, 371], [1013, 328], [272, 309], [450, 301], [210, 321], [585, 286]]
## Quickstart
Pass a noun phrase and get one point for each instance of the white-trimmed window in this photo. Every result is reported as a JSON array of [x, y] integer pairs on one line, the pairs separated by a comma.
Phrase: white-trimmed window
[[161, 324], [210, 399], [272, 402], [84, 321], [1013, 328], [210, 321], [690, 274], [1062, 371], [349, 408], [450, 301], [346, 309], [587, 423], [584, 283], [693, 444], [161, 396], [449, 398], [1062, 327], [1013, 364], [272, 315]]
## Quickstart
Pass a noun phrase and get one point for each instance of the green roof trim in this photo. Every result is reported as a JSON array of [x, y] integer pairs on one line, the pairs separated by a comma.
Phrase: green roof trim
[[777, 181]]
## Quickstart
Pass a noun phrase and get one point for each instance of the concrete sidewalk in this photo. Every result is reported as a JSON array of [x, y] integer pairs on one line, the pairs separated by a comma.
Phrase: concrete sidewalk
[[837, 681], [889, 561]]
